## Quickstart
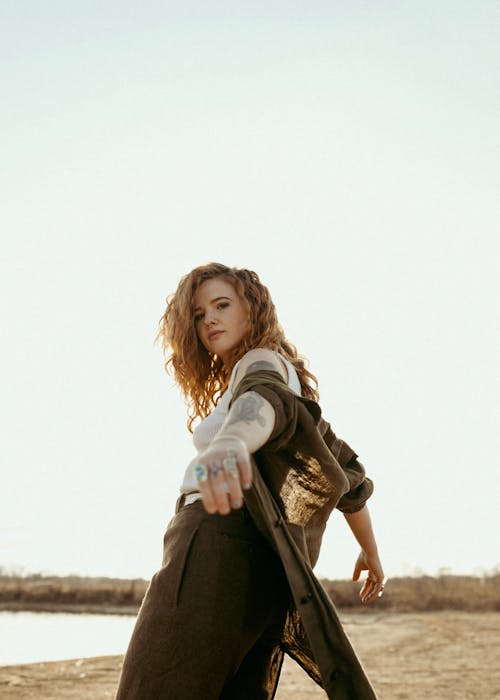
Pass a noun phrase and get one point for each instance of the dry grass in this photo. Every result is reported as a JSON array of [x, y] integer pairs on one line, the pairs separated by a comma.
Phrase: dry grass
[[40, 592], [404, 594], [425, 593]]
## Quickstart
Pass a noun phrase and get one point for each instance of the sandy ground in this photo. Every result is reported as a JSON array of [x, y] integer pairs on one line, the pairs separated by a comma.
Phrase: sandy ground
[[446, 655]]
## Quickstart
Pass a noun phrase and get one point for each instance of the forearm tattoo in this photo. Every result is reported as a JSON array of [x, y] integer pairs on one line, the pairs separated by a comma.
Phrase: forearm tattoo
[[246, 408]]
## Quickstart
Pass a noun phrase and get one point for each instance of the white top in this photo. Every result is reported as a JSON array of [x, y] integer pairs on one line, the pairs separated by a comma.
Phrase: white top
[[205, 431]]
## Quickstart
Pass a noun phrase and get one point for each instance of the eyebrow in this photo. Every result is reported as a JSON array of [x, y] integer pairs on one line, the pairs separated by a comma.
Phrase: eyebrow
[[212, 302]]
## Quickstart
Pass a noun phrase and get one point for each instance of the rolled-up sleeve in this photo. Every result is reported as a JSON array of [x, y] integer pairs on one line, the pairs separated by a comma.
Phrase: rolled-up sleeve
[[296, 424], [361, 487]]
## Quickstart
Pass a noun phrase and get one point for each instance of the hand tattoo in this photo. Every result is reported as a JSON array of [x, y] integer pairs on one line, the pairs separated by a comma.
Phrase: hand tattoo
[[217, 469]]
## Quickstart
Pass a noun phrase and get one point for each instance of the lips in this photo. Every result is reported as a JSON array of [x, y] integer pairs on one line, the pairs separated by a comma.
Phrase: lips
[[214, 334]]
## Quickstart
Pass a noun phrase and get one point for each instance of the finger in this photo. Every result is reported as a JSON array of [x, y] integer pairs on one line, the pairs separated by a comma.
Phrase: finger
[[365, 590], [230, 464], [356, 572], [370, 598], [372, 590], [239, 449], [380, 588], [201, 472], [219, 486], [245, 469]]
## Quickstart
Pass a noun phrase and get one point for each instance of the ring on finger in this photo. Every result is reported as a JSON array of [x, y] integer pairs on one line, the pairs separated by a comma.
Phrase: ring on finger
[[200, 472], [216, 469], [230, 464]]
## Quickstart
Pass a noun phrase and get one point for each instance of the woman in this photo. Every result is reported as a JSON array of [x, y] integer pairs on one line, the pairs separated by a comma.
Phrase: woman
[[216, 617]]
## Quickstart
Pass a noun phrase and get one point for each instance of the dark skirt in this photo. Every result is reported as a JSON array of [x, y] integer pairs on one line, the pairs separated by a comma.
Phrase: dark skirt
[[212, 618]]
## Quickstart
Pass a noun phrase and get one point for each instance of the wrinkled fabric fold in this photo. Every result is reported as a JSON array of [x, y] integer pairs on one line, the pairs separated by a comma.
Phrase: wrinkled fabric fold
[[300, 475]]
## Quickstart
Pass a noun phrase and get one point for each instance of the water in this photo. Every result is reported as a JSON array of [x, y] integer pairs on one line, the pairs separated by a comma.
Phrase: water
[[27, 637]]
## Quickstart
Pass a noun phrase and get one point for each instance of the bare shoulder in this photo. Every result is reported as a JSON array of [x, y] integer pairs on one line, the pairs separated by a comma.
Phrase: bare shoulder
[[259, 359]]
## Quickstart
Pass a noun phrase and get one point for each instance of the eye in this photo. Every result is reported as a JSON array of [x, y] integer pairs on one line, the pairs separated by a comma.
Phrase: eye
[[222, 304], [198, 317]]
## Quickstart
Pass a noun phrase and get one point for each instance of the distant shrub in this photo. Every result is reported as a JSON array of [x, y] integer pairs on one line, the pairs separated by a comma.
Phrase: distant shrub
[[444, 592], [71, 590], [402, 594]]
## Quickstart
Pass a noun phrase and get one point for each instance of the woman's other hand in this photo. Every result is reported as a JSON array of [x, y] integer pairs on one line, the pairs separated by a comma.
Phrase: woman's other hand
[[223, 470], [374, 585]]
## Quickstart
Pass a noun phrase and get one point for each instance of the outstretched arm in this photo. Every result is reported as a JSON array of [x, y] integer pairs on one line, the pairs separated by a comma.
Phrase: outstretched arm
[[224, 467]]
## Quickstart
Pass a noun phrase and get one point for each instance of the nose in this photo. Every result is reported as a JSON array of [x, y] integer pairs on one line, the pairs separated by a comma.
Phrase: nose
[[210, 318]]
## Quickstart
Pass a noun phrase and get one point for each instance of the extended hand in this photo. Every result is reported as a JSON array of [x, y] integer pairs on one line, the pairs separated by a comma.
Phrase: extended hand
[[222, 470], [374, 584]]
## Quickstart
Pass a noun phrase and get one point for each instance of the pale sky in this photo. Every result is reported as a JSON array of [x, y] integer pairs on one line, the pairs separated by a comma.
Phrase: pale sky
[[345, 151]]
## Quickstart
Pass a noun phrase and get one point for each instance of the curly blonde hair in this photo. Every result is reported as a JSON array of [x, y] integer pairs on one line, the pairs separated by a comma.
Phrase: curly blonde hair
[[202, 376]]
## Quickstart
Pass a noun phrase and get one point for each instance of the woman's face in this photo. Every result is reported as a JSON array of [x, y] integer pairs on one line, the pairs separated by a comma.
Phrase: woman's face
[[220, 318]]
